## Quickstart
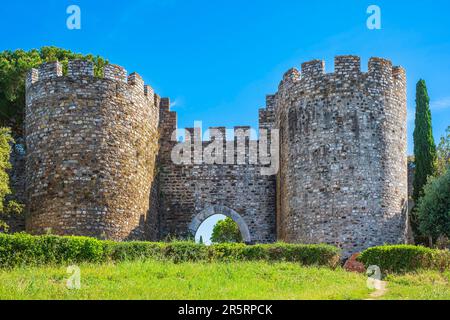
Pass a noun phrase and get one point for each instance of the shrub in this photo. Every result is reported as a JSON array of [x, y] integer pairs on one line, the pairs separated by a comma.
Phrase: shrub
[[129, 251], [434, 208], [24, 250], [183, 251], [405, 258]]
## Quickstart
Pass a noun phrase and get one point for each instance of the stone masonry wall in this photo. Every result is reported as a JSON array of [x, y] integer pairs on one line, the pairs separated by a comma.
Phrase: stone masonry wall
[[343, 171], [99, 159], [91, 149], [201, 190]]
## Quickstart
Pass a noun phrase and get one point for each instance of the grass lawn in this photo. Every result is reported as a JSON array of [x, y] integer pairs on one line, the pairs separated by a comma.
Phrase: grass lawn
[[191, 281]]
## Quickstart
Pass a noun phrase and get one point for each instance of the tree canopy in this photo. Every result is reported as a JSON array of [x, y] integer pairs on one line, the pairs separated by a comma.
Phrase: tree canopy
[[14, 66], [434, 208], [443, 153], [5, 151], [226, 231]]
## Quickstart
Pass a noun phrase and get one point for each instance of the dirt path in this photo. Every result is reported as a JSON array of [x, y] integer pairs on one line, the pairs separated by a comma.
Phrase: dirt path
[[379, 292]]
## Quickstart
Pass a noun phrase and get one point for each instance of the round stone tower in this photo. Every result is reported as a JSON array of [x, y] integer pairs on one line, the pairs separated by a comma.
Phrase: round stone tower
[[91, 148], [343, 164]]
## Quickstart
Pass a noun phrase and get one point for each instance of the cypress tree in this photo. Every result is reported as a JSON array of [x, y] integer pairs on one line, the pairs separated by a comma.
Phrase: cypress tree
[[424, 152], [424, 145]]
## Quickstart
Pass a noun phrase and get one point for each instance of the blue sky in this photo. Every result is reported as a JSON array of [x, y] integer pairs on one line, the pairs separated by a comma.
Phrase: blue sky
[[217, 60]]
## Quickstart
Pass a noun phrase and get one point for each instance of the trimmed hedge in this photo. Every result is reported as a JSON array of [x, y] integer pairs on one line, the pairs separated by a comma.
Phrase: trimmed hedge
[[26, 250], [405, 258], [22, 250]]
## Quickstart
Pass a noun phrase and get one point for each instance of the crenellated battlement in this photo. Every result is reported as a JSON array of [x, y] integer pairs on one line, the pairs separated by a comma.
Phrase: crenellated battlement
[[80, 68], [313, 69], [346, 69], [115, 72], [77, 69], [349, 66]]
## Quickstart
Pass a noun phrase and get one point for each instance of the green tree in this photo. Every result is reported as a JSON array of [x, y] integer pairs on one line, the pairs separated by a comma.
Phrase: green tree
[[5, 165], [424, 150], [443, 153], [201, 240], [226, 231], [10, 207], [14, 66], [424, 145], [434, 208]]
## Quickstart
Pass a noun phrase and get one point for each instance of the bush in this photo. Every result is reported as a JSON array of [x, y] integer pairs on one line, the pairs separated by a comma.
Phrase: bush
[[26, 250], [129, 251], [434, 208], [405, 258]]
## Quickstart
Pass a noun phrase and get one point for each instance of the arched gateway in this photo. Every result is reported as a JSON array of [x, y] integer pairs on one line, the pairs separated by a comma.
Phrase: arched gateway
[[217, 209]]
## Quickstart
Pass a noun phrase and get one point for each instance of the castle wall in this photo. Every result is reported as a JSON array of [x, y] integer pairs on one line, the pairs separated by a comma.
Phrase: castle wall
[[187, 190], [91, 148], [343, 171], [100, 159]]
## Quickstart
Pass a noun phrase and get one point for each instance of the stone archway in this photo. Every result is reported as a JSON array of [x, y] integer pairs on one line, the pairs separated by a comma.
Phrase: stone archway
[[217, 209]]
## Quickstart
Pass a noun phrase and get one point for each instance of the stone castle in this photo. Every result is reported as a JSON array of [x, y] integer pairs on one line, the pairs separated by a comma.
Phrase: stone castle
[[99, 163]]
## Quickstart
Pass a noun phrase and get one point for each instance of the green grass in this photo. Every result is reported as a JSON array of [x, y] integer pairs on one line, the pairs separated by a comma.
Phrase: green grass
[[423, 285], [241, 280]]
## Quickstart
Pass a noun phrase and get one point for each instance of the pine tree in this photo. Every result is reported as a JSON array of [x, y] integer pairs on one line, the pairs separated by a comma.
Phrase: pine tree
[[424, 145]]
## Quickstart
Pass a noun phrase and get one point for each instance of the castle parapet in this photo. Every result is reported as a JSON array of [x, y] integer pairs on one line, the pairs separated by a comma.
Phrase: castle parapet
[[32, 77], [380, 70], [85, 69], [347, 66], [165, 104], [218, 133], [347, 69], [313, 69], [50, 70], [136, 80], [115, 72], [77, 68]]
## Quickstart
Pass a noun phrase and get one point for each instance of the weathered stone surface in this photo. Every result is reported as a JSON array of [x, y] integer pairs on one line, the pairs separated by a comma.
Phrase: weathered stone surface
[[192, 193], [91, 147], [343, 171]]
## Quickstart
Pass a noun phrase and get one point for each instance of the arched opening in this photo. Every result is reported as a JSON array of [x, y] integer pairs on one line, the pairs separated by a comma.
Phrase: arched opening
[[218, 212], [205, 231]]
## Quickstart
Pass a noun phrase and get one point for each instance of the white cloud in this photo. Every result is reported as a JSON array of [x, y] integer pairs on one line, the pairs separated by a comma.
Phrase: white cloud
[[176, 103], [440, 104]]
